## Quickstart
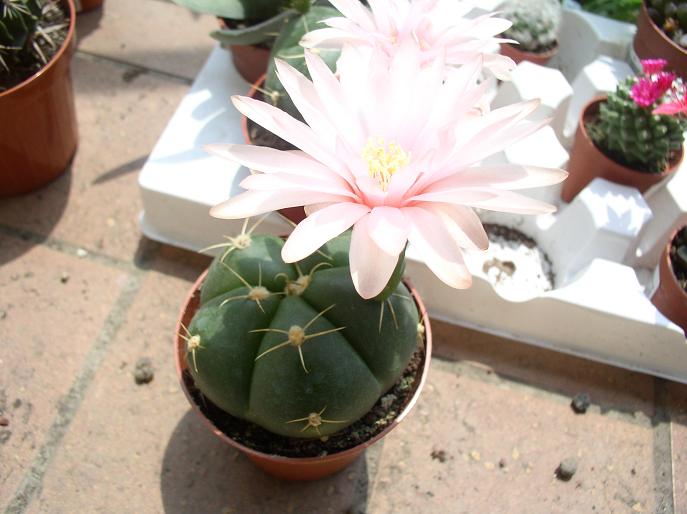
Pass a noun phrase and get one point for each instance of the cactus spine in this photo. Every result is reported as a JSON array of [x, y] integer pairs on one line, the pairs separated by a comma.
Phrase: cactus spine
[[292, 347], [535, 23]]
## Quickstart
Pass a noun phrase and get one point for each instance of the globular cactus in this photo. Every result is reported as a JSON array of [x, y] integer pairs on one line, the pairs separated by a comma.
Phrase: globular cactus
[[292, 347], [622, 10], [632, 134], [287, 48], [535, 23], [18, 22], [671, 17]]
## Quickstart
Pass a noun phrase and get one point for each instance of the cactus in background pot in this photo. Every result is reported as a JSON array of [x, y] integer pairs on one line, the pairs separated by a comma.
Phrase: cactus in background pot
[[678, 257], [636, 125], [671, 17], [535, 23], [293, 347]]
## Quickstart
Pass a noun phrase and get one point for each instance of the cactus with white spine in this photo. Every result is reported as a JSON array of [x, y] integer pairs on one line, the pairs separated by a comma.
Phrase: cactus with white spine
[[293, 347], [535, 23]]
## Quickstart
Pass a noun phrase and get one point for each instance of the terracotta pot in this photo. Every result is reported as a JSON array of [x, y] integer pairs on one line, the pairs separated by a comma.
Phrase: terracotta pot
[[293, 214], [38, 132], [670, 298], [251, 61], [87, 5], [651, 43], [518, 55], [588, 162], [307, 468]]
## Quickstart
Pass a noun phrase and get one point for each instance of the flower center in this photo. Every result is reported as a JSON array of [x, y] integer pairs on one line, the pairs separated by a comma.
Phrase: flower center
[[383, 160]]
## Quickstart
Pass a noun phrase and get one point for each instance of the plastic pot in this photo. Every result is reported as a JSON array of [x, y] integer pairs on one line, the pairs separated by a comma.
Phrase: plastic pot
[[588, 162], [87, 5], [307, 468], [518, 55], [293, 214], [38, 132], [669, 297], [650, 42]]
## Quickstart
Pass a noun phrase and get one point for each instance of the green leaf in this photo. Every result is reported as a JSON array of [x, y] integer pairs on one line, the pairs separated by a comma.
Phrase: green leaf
[[254, 34], [236, 9]]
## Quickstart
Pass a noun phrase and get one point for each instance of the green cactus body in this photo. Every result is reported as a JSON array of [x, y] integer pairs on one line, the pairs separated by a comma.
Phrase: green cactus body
[[287, 48], [293, 348], [535, 23], [18, 20], [634, 136]]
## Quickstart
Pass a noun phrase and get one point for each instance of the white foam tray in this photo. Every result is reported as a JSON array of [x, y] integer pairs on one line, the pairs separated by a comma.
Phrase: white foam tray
[[599, 309]]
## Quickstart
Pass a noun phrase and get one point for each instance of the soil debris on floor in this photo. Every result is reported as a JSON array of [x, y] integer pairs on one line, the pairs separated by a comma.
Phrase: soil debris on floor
[[439, 455], [580, 403], [566, 469], [144, 372], [515, 265]]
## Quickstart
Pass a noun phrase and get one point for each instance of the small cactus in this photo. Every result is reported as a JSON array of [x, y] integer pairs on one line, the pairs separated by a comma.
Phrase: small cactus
[[535, 23], [628, 130], [671, 17], [622, 10], [18, 22], [678, 257], [292, 347]]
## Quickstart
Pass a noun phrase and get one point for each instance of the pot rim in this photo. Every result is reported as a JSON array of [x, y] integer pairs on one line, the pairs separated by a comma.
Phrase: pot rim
[[581, 126], [669, 264], [544, 55], [661, 34], [355, 450], [65, 45]]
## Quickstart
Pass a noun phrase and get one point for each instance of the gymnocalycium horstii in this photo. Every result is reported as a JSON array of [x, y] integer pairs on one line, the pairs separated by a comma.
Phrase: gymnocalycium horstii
[[293, 347], [641, 124]]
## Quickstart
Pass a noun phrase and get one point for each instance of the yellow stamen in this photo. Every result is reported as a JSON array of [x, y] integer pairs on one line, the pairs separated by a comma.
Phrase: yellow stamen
[[383, 160]]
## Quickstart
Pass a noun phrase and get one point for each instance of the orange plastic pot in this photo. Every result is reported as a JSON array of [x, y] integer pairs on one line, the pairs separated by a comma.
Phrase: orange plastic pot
[[87, 5], [293, 214], [251, 61], [669, 297], [518, 55], [588, 162], [650, 42], [290, 468], [38, 132]]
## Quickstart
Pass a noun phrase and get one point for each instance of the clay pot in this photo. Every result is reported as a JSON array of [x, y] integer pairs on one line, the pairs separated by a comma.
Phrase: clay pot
[[87, 5], [670, 298], [251, 61], [588, 162], [293, 214], [650, 42], [38, 132], [307, 468], [518, 55]]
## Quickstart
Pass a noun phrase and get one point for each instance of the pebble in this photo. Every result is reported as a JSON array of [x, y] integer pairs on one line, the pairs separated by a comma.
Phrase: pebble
[[580, 403], [502, 463], [81, 253], [3, 314], [566, 469], [143, 373], [474, 455], [64, 278], [4, 422]]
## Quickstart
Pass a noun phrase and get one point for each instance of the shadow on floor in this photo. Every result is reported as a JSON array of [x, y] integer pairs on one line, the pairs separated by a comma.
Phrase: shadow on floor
[[88, 22], [200, 473], [37, 213]]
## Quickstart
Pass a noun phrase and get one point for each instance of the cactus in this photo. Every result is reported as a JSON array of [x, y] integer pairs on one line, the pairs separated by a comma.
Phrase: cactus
[[678, 257], [632, 135], [671, 17], [292, 347], [535, 23], [287, 48], [622, 10], [18, 22]]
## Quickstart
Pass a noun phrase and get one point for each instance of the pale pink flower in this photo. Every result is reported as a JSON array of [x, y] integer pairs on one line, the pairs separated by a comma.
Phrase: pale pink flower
[[393, 151], [435, 26]]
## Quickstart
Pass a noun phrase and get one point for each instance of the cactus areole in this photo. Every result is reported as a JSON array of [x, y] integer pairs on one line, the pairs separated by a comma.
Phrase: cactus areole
[[293, 347]]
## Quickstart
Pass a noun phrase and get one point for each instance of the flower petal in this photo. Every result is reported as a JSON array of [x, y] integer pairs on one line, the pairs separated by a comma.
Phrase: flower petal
[[320, 227], [371, 267], [252, 203], [509, 177], [388, 229], [462, 223], [276, 182]]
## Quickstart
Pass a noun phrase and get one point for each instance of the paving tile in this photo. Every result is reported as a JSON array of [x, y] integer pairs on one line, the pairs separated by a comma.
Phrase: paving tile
[[677, 411], [481, 444], [611, 389], [140, 449], [150, 33], [47, 326], [97, 204]]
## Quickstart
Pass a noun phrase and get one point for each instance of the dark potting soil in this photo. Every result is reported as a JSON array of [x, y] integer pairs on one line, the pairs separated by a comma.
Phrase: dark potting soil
[[382, 414], [678, 257], [22, 65]]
